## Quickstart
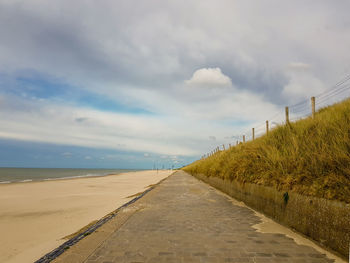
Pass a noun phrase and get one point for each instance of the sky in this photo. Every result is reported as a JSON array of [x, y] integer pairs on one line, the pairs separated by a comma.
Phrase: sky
[[144, 84]]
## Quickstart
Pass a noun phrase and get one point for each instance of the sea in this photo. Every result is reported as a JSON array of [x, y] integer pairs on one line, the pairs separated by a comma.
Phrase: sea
[[25, 175]]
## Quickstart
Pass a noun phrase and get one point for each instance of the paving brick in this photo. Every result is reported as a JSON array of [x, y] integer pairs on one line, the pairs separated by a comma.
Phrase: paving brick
[[185, 220]]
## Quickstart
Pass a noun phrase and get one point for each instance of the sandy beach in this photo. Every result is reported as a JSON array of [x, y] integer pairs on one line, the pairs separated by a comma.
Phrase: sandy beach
[[35, 217]]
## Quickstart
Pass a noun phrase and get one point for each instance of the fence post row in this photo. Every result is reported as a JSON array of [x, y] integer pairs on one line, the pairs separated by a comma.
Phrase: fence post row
[[313, 110]]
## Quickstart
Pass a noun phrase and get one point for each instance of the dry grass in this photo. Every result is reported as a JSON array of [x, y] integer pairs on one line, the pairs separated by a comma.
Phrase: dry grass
[[311, 157]]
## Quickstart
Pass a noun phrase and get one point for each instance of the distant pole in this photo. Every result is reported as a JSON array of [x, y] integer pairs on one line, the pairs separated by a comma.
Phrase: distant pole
[[267, 127], [243, 138], [223, 147], [236, 142], [313, 106], [229, 145], [253, 134], [287, 115]]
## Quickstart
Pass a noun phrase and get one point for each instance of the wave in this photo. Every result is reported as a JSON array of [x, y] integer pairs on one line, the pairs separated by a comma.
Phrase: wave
[[74, 177], [23, 175], [26, 181]]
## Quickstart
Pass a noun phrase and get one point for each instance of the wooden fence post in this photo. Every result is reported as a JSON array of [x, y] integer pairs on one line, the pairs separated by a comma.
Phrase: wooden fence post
[[253, 134], [223, 147], [236, 143], [243, 138], [287, 115], [313, 107], [267, 127]]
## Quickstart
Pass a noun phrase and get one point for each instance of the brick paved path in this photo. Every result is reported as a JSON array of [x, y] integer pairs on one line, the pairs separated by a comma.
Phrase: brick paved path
[[185, 220]]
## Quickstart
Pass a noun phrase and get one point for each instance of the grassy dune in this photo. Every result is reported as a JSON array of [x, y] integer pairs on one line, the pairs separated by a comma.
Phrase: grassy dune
[[311, 157]]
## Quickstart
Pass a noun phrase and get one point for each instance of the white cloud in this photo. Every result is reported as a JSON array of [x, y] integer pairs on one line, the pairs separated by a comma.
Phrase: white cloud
[[299, 66], [302, 84], [212, 77]]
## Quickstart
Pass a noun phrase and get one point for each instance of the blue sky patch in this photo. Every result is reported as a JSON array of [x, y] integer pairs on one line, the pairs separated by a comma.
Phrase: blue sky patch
[[37, 86]]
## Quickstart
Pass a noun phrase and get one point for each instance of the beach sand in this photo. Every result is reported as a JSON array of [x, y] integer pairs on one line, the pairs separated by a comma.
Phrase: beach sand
[[35, 217]]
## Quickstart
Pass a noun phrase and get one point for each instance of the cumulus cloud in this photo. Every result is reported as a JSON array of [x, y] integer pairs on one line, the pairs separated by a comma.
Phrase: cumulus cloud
[[209, 77]]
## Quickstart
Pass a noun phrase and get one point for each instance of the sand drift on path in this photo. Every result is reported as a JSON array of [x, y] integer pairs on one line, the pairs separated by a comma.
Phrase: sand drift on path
[[35, 217]]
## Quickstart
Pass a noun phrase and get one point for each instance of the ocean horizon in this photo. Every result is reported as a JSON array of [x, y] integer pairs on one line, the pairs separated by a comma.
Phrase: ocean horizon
[[23, 175]]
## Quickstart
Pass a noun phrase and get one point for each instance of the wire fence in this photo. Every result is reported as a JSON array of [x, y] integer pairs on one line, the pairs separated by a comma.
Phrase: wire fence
[[301, 110]]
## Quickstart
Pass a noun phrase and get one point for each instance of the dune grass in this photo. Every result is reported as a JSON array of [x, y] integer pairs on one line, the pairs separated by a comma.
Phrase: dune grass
[[310, 157]]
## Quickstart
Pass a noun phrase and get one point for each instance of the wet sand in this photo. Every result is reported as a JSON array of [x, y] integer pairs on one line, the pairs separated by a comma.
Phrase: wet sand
[[35, 217]]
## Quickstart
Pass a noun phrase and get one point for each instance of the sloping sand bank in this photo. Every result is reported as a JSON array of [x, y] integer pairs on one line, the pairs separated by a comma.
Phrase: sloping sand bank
[[35, 217]]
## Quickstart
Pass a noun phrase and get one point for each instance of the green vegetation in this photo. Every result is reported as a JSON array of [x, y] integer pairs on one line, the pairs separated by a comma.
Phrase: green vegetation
[[310, 157]]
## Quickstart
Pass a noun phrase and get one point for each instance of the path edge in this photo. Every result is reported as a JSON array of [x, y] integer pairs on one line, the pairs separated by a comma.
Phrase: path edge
[[52, 255], [246, 195]]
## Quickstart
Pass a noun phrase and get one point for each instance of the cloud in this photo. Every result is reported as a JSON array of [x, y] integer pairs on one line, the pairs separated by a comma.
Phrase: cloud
[[213, 138], [214, 75], [54, 123], [81, 119], [299, 66], [67, 154], [302, 84], [209, 77]]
